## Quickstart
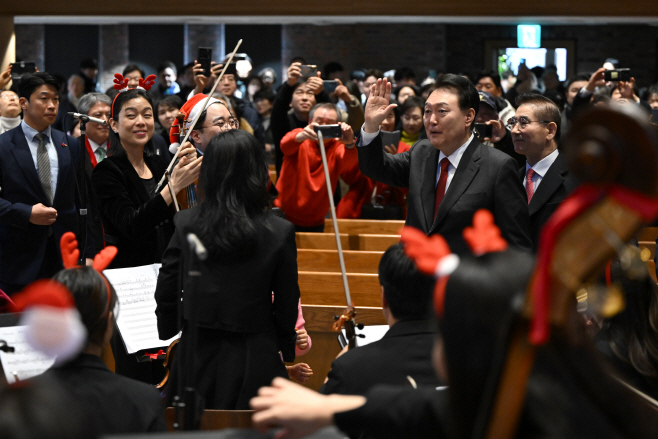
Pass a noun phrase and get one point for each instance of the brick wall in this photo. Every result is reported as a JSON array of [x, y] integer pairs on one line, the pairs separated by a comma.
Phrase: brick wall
[[384, 46]]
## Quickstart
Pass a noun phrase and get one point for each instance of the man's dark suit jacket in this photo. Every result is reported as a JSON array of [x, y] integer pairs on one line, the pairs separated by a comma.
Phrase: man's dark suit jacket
[[405, 350], [139, 224], [23, 244], [114, 404], [556, 185], [485, 179]]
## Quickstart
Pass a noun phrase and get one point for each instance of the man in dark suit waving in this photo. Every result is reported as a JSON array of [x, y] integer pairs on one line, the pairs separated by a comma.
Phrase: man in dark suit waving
[[535, 132], [37, 187], [451, 174]]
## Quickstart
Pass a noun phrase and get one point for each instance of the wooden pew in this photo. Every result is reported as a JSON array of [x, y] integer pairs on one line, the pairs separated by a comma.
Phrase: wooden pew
[[319, 288], [319, 320], [215, 419], [327, 260], [327, 241], [359, 226]]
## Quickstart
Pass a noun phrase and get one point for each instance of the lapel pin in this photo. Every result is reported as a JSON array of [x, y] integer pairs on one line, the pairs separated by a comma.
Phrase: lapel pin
[[64, 145]]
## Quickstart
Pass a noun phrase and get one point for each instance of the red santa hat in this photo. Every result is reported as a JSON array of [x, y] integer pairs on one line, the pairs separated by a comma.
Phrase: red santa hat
[[190, 110], [52, 321]]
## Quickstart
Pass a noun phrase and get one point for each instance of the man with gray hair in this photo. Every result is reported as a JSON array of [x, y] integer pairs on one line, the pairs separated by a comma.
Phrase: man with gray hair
[[96, 105]]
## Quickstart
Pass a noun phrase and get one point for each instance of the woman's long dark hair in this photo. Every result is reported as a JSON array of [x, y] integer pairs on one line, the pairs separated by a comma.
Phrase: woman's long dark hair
[[116, 148], [233, 184], [90, 293]]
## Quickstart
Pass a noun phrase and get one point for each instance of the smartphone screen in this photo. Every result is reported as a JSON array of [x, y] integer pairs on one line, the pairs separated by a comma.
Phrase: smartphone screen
[[330, 85], [204, 58]]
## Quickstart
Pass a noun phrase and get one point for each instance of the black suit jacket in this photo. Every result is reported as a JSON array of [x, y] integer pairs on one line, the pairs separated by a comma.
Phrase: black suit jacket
[[485, 179], [556, 185], [23, 244], [234, 295], [405, 350], [114, 404], [139, 224]]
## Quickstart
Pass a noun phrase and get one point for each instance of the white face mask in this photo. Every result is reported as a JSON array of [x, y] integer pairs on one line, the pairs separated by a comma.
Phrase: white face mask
[[253, 89]]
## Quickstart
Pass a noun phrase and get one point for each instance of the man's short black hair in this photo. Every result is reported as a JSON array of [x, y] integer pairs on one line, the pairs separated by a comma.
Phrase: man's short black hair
[[265, 93], [168, 101], [404, 73], [131, 68], [495, 77], [466, 92], [332, 67], [578, 77], [31, 81], [89, 64], [545, 109], [407, 291], [167, 65], [374, 72]]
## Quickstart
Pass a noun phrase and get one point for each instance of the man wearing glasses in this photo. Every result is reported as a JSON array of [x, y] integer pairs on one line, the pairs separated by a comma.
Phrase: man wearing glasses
[[450, 175], [535, 132], [213, 120]]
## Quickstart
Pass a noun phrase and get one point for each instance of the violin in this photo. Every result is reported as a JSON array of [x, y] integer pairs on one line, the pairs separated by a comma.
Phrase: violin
[[187, 198], [615, 155]]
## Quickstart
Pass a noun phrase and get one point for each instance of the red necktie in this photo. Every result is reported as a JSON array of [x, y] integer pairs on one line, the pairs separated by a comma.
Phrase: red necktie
[[441, 185], [529, 186]]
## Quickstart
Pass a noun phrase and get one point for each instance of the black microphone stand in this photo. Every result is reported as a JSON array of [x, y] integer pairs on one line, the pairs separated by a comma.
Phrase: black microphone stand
[[83, 189], [189, 405]]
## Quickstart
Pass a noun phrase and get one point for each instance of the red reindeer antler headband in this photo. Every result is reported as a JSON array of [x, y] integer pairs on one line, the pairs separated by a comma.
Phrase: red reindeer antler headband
[[121, 84]]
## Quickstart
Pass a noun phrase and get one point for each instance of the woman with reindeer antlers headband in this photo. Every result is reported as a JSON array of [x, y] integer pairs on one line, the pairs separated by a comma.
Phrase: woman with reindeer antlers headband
[[137, 219]]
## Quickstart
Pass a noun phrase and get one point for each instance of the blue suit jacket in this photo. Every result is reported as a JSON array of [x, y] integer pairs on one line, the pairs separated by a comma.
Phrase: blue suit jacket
[[23, 244]]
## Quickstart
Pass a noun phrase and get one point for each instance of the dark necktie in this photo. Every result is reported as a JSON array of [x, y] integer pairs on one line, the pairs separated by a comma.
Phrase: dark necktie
[[529, 186], [441, 185], [43, 166]]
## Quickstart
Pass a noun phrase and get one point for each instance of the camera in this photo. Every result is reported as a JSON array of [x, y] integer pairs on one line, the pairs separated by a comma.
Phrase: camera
[[617, 75]]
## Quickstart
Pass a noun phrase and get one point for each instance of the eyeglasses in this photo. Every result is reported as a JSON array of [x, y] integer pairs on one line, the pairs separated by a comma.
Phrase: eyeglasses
[[522, 121], [9, 97], [232, 124]]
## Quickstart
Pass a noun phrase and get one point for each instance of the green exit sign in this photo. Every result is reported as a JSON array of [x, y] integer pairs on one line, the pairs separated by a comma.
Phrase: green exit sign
[[528, 36]]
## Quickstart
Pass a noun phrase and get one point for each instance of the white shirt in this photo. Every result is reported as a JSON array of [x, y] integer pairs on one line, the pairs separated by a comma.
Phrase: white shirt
[[453, 158], [95, 146], [33, 144], [540, 168]]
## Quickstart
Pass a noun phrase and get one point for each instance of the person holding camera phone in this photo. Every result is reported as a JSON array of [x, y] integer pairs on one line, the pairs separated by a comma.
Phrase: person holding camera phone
[[490, 129], [302, 186]]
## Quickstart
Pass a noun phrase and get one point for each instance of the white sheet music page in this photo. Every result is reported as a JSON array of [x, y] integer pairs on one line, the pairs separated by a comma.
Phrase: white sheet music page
[[135, 287], [24, 362]]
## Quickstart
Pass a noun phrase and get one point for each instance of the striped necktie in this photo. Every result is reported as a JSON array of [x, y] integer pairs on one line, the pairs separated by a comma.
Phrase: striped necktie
[[43, 167]]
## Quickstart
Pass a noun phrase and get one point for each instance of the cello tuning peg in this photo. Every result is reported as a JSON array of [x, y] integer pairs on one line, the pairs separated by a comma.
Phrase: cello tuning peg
[[360, 335], [360, 326], [336, 317]]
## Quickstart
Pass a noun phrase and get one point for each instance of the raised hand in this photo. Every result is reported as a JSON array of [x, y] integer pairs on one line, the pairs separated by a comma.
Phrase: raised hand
[[378, 105], [348, 135], [315, 84], [294, 73], [307, 133]]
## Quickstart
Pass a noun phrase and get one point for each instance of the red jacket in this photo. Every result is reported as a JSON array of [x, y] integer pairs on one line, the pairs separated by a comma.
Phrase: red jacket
[[302, 188]]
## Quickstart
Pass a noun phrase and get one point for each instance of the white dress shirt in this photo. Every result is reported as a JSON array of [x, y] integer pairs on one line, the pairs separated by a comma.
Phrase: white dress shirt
[[540, 168], [95, 148]]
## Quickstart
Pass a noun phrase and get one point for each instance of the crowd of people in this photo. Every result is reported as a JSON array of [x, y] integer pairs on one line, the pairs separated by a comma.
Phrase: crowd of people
[[432, 153]]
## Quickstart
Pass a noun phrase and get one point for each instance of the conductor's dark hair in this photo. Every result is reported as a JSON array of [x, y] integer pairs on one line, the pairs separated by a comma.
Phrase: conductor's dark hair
[[545, 109], [116, 148], [233, 184], [131, 68], [90, 292], [495, 77], [466, 92], [31, 81], [407, 291]]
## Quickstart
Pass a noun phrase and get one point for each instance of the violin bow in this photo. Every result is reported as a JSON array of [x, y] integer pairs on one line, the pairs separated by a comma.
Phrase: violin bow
[[167, 173], [347, 318]]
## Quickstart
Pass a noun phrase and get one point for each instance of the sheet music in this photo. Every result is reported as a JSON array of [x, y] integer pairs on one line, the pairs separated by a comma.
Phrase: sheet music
[[135, 287], [372, 334], [24, 362]]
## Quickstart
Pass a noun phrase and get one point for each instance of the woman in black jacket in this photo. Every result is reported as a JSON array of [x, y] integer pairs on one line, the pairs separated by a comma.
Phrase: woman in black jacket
[[137, 219], [240, 312]]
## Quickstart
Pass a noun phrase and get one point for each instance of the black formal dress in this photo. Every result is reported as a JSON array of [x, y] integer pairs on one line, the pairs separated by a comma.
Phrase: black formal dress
[[485, 179], [139, 223], [555, 186], [113, 404], [405, 350], [241, 330]]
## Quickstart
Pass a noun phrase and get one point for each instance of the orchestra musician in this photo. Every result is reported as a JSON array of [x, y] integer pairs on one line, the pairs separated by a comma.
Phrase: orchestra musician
[[236, 333]]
